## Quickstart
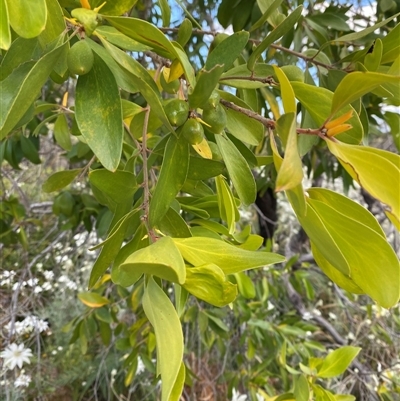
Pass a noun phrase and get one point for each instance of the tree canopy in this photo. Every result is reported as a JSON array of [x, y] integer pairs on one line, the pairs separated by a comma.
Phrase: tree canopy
[[186, 133]]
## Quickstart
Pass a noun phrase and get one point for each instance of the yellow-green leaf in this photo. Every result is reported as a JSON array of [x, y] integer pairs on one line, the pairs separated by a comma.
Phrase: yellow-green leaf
[[27, 18], [377, 171], [209, 283], [92, 299], [337, 361], [161, 259], [167, 327], [287, 94], [357, 84], [226, 203], [231, 259], [290, 173], [5, 34]]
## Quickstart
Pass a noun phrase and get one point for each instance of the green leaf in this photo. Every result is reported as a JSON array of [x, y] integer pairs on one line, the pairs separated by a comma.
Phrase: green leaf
[[334, 274], [92, 299], [226, 204], [245, 285], [117, 38], [5, 34], [185, 32], [98, 112], [274, 35], [268, 12], [142, 80], [60, 180], [337, 361], [171, 179], [231, 259], [174, 225], [127, 278], [290, 173], [375, 170], [27, 18], [209, 283], [61, 132], [203, 169], [167, 327], [161, 259], [227, 51], [206, 82], [118, 186], [242, 78], [55, 24], [165, 12], [287, 94], [372, 61], [357, 84], [115, 7], [373, 265], [239, 170], [321, 110], [111, 248], [121, 75], [302, 389], [364, 32], [21, 88]]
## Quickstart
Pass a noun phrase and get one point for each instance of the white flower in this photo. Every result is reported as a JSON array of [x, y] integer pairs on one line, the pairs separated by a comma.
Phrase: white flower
[[22, 381], [32, 282], [48, 274], [140, 366], [38, 289], [16, 355], [236, 396], [47, 286], [307, 316]]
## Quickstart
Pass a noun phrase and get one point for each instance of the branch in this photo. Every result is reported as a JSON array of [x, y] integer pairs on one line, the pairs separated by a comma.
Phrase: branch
[[249, 113], [267, 80]]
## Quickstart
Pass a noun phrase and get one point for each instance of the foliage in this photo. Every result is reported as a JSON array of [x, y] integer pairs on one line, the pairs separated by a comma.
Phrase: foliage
[[117, 94]]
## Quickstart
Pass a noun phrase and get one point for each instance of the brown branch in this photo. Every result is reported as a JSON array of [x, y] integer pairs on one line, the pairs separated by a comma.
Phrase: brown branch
[[267, 80], [249, 113]]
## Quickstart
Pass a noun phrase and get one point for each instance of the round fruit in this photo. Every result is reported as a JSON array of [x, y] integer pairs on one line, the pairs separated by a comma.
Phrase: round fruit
[[293, 73], [169, 87], [193, 131], [213, 101], [177, 111], [80, 58], [216, 118]]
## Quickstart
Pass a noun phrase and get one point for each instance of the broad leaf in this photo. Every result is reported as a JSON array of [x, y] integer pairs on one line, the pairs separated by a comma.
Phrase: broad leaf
[[302, 389], [174, 225], [161, 259], [117, 38], [115, 7], [27, 18], [21, 88], [287, 94], [60, 180], [209, 283], [227, 51], [357, 84], [231, 259], [98, 112], [337, 361], [206, 82], [203, 169], [226, 204], [377, 171], [373, 265], [55, 24], [239, 170], [167, 327], [171, 179], [118, 186]]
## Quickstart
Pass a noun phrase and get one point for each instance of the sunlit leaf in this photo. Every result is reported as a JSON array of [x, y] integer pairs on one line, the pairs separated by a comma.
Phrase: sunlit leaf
[[337, 361], [92, 299]]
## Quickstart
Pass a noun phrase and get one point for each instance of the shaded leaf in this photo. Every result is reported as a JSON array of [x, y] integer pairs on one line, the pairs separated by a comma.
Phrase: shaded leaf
[[60, 180], [167, 327], [98, 112]]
